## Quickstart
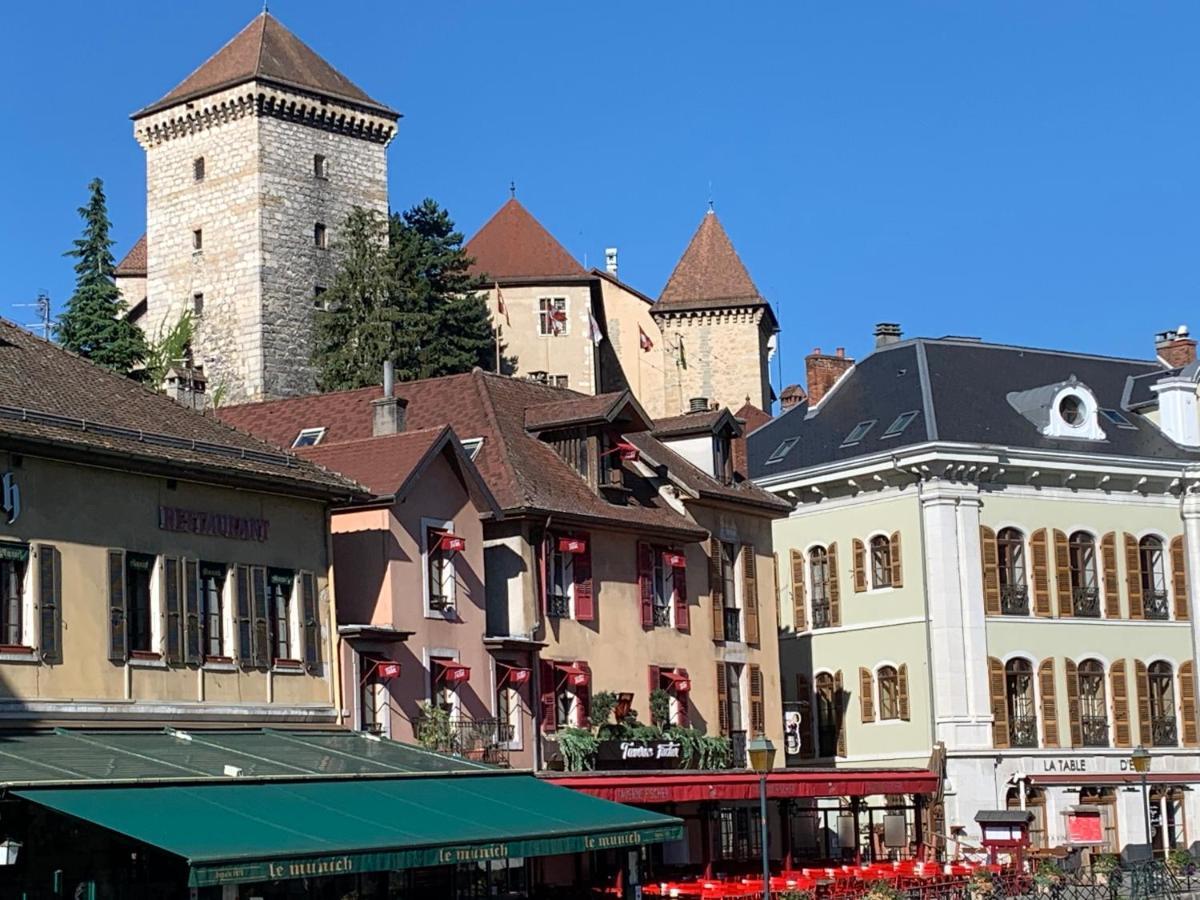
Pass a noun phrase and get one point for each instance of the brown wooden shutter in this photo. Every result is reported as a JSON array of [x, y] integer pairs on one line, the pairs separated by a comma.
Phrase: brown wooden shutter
[[1041, 573], [1133, 577], [839, 707], [645, 570], [174, 614], [999, 703], [1049, 703], [1062, 573], [990, 554], [1112, 591], [118, 642], [758, 718], [1187, 704], [716, 589], [722, 700], [547, 682], [1118, 681], [866, 694], [679, 585], [902, 691], [191, 613], [804, 702], [835, 592], [654, 676], [581, 576], [310, 622], [1073, 711], [50, 603], [775, 582], [1142, 682], [1179, 583], [897, 565], [799, 607], [860, 566], [750, 592]]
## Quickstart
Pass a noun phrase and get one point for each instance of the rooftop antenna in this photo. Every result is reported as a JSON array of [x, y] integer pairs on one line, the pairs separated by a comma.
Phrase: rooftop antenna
[[512, 190], [710, 196], [42, 305]]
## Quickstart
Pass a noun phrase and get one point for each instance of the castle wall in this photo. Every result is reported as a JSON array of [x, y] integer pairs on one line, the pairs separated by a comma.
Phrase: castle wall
[[724, 358]]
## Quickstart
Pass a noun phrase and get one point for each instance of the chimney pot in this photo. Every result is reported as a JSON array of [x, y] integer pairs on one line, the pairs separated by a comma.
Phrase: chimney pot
[[610, 260], [887, 333], [1175, 348], [841, 352], [389, 378]]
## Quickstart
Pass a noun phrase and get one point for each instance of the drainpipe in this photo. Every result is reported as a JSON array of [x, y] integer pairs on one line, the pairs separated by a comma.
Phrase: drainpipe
[[539, 624]]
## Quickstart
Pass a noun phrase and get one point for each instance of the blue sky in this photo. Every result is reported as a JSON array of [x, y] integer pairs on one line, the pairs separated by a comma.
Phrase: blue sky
[[1021, 171]]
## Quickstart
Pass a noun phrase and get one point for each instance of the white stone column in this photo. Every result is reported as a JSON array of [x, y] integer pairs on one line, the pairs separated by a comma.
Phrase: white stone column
[[954, 593]]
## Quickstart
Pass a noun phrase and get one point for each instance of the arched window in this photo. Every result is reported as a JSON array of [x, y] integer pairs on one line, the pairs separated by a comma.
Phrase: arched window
[[889, 693], [881, 562], [1010, 555], [1022, 714], [1035, 802], [1093, 706], [818, 567], [1161, 685], [1085, 589], [1154, 577], [827, 715]]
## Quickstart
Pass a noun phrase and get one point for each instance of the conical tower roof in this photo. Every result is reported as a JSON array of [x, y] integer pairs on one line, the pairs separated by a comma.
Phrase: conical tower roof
[[266, 51], [512, 244], [710, 273]]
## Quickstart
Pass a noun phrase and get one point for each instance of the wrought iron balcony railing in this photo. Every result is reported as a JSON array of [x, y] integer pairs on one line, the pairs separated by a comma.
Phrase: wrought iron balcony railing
[[662, 617], [820, 615], [1154, 605], [1085, 602], [1022, 731], [1014, 600], [1095, 731], [737, 746], [558, 606], [483, 740], [733, 624], [1163, 732]]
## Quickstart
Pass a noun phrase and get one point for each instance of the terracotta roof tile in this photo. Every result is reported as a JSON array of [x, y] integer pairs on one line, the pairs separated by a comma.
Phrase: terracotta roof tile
[[382, 464], [133, 264], [752, 416], [266, 51], [710, 273], [53, 399], [691, 423], [584, 410], [512, 244]]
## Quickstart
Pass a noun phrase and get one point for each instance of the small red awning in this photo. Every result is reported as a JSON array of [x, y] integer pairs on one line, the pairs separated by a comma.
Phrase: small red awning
[[674, 559], [449, 670], [514, 674], [1087, 779], [681, 683], [572, 545], [451, 542], [576, 677], [650, 789]]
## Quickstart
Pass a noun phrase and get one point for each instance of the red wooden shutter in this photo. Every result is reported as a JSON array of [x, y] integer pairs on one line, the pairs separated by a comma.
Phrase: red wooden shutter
[[1062, 573], [999, 703], [1133, 578], [860, 566], [897, 566], [645, 559], [1112, 589], [1041, 573], [722, 700], [683, 698], [1179, 585], [1049, 703], [990, 556], [1122, 734], [583, 696], [547, 678], [581, 568], [679, 583], [1142, 679], [716, 589]]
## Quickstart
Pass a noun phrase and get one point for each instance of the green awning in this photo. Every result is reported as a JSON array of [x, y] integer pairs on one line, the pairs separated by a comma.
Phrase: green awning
[[231, 833]]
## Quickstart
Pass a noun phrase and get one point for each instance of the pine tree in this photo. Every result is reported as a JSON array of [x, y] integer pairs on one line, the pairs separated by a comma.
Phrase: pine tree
[[94, 323]]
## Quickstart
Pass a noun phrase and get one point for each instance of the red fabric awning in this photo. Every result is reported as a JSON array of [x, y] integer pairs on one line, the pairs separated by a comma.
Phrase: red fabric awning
[[681, 683], [514, 674], [1085, 779], [695, 786], [449, 670], [576, 676], [451, 542]]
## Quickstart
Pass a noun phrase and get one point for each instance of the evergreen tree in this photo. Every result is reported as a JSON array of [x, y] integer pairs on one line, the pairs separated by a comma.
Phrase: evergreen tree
[[94, 323]]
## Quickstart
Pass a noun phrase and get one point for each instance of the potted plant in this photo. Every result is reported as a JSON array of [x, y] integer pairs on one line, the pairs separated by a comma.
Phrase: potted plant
[[796, 895], [982, 885], [1180, 862], [1106, 869], [1048, 879], [883, 890], [578, 749]]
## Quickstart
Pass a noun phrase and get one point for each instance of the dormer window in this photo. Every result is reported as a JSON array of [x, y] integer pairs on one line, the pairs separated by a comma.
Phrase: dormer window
[[901, 422], [1066, 410], [722, 459], [1118, 418], [782, 450], [1071, 410], [308, 437]]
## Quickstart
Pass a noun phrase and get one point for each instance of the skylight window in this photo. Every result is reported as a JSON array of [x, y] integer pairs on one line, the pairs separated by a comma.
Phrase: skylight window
[[782, 450], [1118, 418], [859, 432], [308, 437], [901, 422], [471, 446]]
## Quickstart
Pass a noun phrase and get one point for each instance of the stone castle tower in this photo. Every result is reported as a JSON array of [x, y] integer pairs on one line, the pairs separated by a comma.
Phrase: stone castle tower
[[253, 163], [719, 328]]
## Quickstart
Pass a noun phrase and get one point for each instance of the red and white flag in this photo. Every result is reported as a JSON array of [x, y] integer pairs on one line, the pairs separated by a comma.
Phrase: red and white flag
[[644, 340], [558, 319]]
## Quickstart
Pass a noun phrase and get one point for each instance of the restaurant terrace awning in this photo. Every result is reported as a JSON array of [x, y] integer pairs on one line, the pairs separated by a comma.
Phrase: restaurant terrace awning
[[231, 833], [685, 787], [1088, 779]]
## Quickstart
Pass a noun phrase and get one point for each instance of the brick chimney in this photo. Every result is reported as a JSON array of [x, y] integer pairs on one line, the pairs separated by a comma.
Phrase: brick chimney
[[388, 412], [1175, 348], [792, 395], [822, 371]]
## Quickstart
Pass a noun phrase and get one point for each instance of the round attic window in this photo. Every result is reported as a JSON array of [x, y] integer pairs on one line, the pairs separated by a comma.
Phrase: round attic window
[[1071, 409]]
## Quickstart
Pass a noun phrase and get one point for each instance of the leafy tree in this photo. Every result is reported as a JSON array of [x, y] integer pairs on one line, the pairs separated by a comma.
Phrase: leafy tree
[[93, 324]]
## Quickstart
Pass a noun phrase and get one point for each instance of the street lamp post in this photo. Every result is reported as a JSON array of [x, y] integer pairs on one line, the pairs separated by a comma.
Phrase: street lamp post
[[762, 757], [1140, 760]]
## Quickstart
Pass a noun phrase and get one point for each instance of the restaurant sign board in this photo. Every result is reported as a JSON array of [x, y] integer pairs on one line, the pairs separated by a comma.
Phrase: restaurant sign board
[[660, 754], [213, 524]]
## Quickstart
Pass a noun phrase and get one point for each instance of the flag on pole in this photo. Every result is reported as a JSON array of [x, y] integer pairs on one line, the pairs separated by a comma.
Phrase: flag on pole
[[558, 319], [500, 307], [594, 333], [644, 340]]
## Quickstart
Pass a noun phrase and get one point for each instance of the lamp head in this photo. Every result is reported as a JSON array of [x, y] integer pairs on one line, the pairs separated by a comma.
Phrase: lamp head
[[1140, 759], [762, 753]]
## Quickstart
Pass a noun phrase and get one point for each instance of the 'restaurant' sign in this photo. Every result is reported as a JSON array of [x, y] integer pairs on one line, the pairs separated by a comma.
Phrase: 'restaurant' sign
[[665, 754], [212, 524]]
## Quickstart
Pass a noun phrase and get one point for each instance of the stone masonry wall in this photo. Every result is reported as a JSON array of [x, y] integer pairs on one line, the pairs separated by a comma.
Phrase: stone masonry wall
[[726, 355]]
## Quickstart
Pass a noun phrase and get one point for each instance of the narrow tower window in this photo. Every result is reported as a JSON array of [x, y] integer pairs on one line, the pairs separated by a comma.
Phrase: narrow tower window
[[197, 239], [320, 239], [320, 166], [198, 168]]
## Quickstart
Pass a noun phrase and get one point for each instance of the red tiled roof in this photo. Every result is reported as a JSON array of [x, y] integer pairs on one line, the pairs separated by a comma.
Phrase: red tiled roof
[[382, 464], [512, 244], [710, 273], [692, 423], [133, 264], [752, 416], [586, 410], [266, 51]]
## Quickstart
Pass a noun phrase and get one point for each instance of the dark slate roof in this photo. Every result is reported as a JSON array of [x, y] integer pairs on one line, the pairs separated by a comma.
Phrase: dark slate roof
[[266, 51], [61, 405], [959, 390]]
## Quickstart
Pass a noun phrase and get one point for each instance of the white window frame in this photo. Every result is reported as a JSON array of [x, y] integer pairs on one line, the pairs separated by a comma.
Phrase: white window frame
[[381, 688], [316, 432], [157, 612], [450, 577], [227, 619], [554, 304], [513, 691], [30, 585], [568, 565], [743, 694], [448, 653], [295, 632]]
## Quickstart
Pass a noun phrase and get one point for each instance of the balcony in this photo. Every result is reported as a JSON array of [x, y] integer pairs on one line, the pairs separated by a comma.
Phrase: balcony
[[1022, 731], [1095, 731], [558, 606], [662, 616], [1085, 602], [1163, 732], [733, 624], [1154, 605], [481, 740], [820, 615], [1014, 600], [737, 746]]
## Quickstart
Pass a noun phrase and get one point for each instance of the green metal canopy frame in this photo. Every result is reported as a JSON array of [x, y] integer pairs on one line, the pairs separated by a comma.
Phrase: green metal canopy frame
[[265, 831]]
